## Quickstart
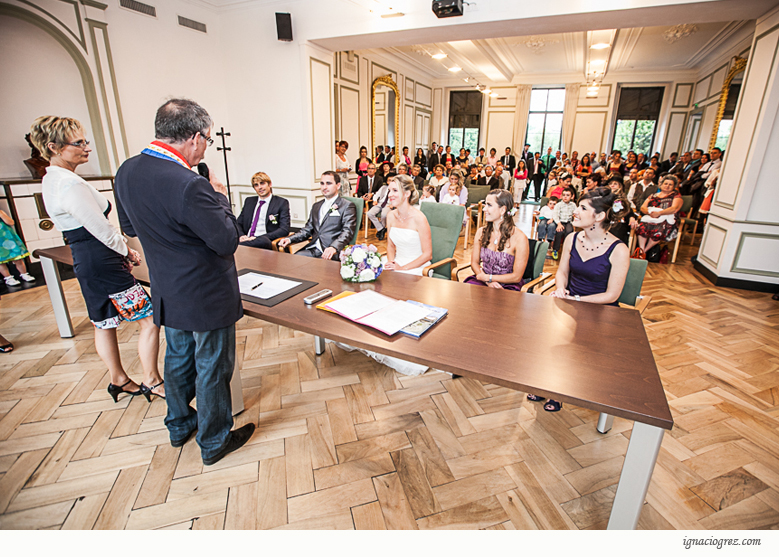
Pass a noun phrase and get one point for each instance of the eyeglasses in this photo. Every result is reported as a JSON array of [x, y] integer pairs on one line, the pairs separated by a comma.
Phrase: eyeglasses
[[82, 144], [208, 139]]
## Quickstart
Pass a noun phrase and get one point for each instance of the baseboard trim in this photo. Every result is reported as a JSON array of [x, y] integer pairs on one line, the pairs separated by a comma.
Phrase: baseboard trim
[[725, 282]]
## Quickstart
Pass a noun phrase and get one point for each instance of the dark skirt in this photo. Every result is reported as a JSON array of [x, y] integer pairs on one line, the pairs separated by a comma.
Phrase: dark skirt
[[100, 272], [517, 287]]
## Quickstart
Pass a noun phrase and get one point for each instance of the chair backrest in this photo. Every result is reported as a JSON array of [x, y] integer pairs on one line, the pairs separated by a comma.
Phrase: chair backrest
[[536, 256], [686, 204], [476, 194], [359, 204], [633, 282], [543, 202], [445, 222]]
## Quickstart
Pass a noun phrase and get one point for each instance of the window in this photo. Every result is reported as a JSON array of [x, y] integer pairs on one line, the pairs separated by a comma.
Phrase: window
[[545, 121], [464, 120], [726, 124], [639, 108]]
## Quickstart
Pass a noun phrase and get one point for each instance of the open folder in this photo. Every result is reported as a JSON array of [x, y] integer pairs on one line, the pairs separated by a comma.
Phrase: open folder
[[377, 311]]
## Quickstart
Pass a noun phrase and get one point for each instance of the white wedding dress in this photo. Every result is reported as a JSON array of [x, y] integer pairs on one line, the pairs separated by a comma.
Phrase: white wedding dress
[[407, 248]]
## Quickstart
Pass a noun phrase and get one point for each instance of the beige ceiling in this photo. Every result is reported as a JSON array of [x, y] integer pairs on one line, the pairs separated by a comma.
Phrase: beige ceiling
[[637, 49]]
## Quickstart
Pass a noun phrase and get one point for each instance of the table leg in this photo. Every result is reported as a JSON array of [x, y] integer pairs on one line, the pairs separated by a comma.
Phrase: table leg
[[319, 345], [636, 474], [59, 305], [236, 390], [605, 421]]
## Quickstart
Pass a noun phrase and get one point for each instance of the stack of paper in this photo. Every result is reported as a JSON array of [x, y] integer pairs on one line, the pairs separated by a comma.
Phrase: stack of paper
[[375, 310], [264, 286]]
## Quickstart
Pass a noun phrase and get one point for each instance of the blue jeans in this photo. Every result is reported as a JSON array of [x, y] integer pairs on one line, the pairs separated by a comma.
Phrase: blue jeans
[[546, 230], [200, 364]]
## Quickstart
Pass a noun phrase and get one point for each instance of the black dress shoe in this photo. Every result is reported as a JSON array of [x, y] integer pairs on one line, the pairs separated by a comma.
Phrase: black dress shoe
[[182, 442], [237, 440], [381, 233]]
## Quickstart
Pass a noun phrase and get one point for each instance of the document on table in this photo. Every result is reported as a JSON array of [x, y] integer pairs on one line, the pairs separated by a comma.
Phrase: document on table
[[264, 286], [359, 305], [380, 312]]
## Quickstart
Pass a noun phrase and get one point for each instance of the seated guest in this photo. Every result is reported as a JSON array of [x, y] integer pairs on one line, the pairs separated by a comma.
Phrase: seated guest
[[551, 183], [490, 179], [500, 262], [558, 189], [462, 158], [593, 180], [439, 180], [415, 175], [462, 192], [330, 225], [584, 168], [369, 184], [641, 190], [563, 214], [546, 226], [594, 263], [482, 158], [660, 222], [617, 165], [263, 218], [451, 195], [666, 165], [492, 160], [378, 213], [448, 168], [641, 163], [621, 227], [630, 179], [402, 168], [386, 171], [474, 179], [428, 194], [409, 247]]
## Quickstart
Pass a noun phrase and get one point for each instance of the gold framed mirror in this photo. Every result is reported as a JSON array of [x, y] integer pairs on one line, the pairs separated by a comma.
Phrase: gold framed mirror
[[385, 115], [739, 65]]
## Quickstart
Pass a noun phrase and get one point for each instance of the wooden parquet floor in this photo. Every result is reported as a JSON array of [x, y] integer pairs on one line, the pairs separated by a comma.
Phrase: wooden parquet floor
[[345, 443]]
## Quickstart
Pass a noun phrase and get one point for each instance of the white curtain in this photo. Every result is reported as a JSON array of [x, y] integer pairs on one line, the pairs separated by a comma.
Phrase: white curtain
[[520, 116], [569, 114]]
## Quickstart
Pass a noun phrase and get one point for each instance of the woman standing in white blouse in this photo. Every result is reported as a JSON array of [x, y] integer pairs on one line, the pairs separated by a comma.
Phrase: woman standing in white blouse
[[343, 168], [101, 258]]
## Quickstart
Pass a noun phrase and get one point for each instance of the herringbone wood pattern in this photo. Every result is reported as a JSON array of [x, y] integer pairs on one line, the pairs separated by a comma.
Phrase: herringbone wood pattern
[[345, 443]]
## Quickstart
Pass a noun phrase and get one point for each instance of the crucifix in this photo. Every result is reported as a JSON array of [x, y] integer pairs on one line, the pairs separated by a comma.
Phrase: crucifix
[[224, 148]]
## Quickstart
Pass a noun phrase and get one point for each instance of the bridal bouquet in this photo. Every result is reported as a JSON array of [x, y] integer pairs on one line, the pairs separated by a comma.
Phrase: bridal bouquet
[[360, 263]]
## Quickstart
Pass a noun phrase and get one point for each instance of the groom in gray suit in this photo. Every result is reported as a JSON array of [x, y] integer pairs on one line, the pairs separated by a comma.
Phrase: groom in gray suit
[[330, 225]]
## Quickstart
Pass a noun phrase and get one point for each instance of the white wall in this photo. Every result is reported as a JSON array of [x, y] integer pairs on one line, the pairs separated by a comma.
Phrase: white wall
[[38, 78]]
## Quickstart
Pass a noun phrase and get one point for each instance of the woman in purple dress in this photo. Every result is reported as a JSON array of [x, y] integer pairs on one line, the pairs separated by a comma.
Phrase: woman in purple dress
[[594, 263], [500, 261]]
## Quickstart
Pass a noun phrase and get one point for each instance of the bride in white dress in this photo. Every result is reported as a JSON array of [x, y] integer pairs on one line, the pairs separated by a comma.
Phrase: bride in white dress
[[409, 248]]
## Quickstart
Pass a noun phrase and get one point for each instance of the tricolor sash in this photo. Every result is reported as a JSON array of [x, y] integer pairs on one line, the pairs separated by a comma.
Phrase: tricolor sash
[[162, 151]]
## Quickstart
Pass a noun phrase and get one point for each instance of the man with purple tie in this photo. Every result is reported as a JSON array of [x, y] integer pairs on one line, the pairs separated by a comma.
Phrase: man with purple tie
[[263, 218]]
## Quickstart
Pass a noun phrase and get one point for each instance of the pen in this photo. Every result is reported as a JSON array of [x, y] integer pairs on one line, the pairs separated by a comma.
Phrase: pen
[[256, 285]]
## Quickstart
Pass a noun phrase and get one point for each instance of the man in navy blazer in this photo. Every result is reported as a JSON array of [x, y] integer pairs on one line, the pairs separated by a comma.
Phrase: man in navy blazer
[[189, 235], [263, 218], [330, 225]]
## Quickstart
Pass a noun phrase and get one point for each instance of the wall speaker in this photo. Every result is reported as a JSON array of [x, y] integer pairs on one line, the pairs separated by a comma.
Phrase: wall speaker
[[284, 26]]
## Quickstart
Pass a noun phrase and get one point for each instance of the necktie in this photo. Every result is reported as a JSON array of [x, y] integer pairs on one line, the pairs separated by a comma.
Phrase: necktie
[[384, 203], [256, 218], [370, 184]]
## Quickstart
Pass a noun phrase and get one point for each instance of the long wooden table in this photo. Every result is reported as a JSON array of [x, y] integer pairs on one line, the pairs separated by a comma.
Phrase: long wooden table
[[588, 355]]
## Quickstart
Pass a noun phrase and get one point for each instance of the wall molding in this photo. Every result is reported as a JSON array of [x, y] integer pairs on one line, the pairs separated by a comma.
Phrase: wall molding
[[742, 238], [714, 264]]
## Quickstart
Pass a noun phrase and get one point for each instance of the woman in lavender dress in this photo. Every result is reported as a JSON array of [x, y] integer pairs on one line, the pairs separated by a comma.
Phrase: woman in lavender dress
[[500, 261]]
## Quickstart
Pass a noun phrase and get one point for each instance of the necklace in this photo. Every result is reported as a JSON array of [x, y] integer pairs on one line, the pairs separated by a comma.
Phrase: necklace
[[401, 217], [597, 246]]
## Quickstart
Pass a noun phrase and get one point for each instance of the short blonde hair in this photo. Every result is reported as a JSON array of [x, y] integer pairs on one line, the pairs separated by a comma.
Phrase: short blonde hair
[[261, 177], [53, 129]]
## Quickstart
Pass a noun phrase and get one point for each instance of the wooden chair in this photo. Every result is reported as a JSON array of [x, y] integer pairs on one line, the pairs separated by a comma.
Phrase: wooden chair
[[358, 203], [534, 275], [445, 222]]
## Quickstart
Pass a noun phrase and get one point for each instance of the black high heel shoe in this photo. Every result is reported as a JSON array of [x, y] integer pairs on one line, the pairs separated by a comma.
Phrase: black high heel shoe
[[148, 391], [115, 390]]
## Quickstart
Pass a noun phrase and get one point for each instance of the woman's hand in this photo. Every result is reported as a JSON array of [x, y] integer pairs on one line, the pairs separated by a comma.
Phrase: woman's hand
[[494, 284], [560, 293], [391, 266], [134, 257]]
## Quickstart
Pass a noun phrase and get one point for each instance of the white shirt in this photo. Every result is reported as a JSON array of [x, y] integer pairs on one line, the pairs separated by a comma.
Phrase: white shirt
[[72, 203], [546, 213], [260, 230], [327, 204]]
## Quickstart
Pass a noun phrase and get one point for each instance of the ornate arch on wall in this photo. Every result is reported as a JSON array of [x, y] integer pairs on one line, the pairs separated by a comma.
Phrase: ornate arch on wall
[[87, 79]]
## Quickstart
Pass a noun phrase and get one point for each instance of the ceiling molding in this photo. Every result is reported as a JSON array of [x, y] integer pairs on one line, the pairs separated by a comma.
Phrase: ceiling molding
[[627, 44], [572, 54], [407, 59], [508, 54], [727, 31], [494, 59]]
